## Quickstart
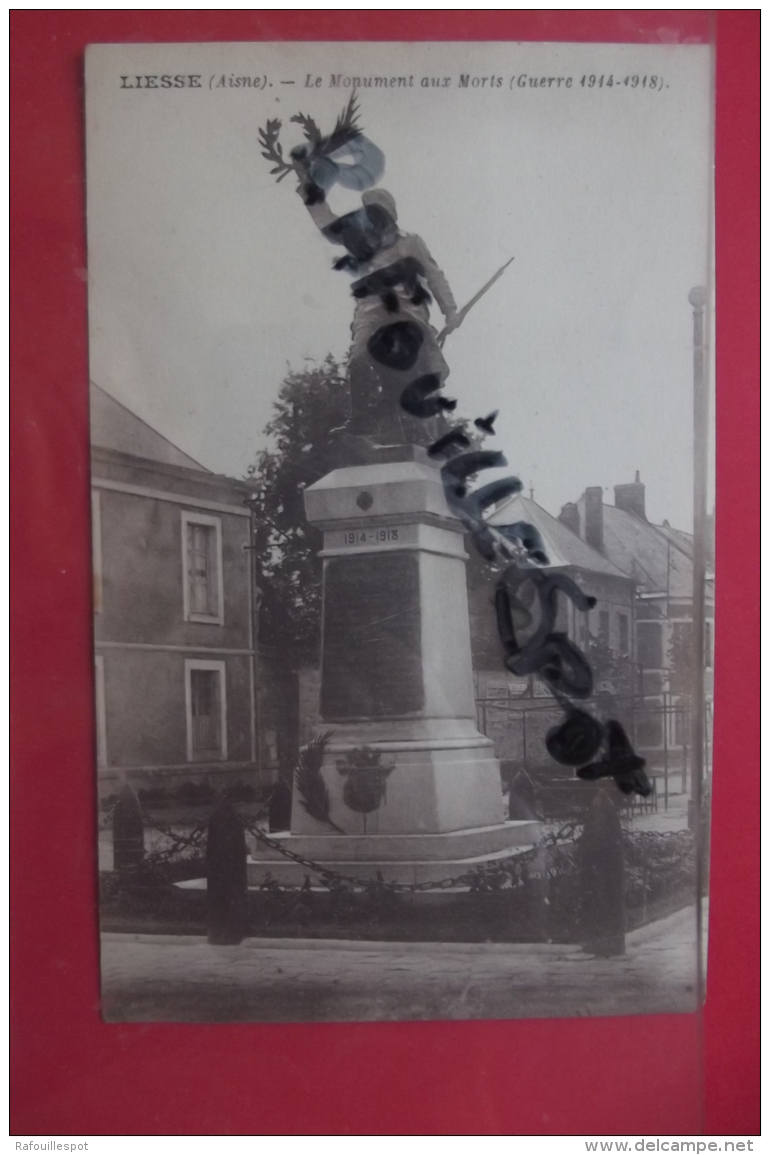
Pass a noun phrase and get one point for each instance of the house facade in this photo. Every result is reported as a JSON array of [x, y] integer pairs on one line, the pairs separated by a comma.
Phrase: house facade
[[517, 712], [175, 669], [660, 561]]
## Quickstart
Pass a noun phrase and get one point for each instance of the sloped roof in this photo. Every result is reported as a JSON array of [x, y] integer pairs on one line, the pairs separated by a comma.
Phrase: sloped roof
[[678, 537], [658, 558], [563, 547], [113, 426]]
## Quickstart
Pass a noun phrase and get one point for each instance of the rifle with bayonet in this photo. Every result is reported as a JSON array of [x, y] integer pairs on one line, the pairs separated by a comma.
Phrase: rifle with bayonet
[[467, 308]]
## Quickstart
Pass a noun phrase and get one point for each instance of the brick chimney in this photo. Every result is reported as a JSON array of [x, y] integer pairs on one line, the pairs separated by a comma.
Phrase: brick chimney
[[594, 534], [570, 516], [630, 497]]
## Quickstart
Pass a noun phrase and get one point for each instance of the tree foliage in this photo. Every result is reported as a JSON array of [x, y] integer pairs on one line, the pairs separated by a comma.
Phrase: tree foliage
[[609, 668], [312, 403], [681, 658]]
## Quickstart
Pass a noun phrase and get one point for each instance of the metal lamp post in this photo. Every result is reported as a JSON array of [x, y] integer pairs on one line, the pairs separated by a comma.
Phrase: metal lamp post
[[255, 593], [698, 298]]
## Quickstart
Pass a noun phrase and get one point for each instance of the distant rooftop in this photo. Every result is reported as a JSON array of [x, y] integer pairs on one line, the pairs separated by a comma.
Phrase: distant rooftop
[[563, 547], [113, 426], [659, 558]]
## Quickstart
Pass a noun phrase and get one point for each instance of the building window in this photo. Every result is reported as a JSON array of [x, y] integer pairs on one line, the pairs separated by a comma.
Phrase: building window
[[623, 634], [649, 645], [206, 703], [101, 712], [96, 549], [583, 630], [202, 567], [708, 645], [604, 627]]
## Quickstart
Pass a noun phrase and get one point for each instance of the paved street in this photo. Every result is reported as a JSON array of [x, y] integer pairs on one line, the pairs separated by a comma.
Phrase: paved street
[[183, 979]]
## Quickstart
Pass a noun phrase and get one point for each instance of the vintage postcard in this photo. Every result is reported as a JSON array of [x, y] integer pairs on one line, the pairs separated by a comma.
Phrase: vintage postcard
[[402, 528]]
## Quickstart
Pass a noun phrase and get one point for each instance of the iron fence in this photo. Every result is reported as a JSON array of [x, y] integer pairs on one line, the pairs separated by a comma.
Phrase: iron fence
[[661, 732]]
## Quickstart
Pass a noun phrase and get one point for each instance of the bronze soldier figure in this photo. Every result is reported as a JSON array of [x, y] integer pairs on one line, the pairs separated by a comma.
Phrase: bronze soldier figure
[[393, 341]]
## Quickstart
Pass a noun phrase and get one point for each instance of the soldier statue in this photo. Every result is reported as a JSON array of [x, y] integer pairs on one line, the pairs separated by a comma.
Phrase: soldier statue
[[401, 295], [395, 279]]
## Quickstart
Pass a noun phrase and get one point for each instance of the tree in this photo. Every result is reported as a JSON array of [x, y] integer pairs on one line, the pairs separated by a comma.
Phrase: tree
[[311, 404], [609, 668], [681, 659]]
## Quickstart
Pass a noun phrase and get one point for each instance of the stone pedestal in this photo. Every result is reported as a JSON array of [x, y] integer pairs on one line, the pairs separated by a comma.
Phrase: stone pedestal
[[396, 677]]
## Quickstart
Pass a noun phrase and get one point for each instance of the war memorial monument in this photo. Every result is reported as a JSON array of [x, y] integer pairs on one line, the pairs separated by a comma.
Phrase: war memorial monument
[[406, 787]]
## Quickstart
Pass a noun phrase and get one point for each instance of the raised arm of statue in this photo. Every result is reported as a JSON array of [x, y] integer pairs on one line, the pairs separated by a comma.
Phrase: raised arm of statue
[[320, 212]]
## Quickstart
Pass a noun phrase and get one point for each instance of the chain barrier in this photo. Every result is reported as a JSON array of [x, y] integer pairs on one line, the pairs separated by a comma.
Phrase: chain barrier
[[195, 840], [180, 843], [473, 880], [492, 876]]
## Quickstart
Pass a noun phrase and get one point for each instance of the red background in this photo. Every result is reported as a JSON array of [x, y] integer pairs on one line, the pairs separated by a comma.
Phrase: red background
[[71, 1072]]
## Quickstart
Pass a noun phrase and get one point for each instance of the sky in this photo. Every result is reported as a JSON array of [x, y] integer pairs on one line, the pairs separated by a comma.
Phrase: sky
[[208, 280]]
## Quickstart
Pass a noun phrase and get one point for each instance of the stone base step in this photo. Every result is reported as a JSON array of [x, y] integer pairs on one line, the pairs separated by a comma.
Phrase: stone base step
[[395, 848], [290, 873]]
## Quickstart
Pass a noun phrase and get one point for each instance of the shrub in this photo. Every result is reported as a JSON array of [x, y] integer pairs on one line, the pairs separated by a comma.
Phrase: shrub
[[240, 792], [196, 792], [658, 865], [153, 794]]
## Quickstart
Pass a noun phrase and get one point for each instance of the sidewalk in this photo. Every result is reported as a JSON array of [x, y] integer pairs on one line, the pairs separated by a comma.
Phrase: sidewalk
[[662, 820], [173, 978]]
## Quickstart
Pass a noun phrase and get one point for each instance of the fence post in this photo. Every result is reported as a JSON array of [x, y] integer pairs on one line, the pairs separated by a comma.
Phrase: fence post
[[226, 881], [665, 747], [127, 832], [279, 805], [601, 858], [523, 798]]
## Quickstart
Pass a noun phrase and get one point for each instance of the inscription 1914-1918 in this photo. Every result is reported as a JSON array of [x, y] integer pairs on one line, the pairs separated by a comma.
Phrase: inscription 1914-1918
[[375, 536]]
